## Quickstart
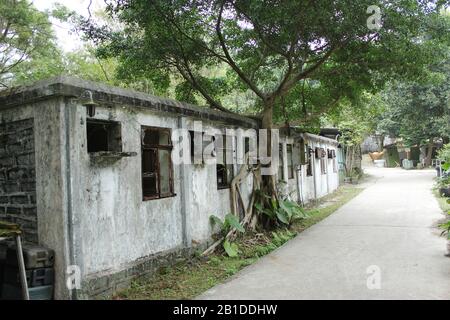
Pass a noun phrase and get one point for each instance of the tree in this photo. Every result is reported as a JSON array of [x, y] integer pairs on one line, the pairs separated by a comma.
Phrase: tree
[[419, 112], [283, 52], [268, 51], [356, 119], [25, 34]]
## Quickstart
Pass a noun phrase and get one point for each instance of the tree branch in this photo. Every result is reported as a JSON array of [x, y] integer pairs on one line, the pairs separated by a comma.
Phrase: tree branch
[[188, 76], [230, 60]]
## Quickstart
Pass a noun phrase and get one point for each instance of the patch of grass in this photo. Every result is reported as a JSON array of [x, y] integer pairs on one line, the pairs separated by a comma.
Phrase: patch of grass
[[185, 281], [188, 279], [445, 206]]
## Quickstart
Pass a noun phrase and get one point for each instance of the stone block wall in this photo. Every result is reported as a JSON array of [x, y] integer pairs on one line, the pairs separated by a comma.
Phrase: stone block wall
[[18, 177]]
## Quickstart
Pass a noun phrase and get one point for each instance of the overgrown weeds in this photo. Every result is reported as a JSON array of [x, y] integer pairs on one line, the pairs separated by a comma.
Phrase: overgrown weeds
[[192, 277]]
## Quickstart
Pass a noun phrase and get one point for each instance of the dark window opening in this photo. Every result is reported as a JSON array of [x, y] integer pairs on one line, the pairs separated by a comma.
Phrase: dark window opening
[[290, 162], [224, 170], [197, 149], [303, 153], [323, 165], [157, 169], [309, 161], [103, 136], [280, 162], [246, 145]]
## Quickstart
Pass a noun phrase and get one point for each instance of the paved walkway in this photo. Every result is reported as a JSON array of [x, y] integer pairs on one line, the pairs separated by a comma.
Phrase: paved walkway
[[389, 228]]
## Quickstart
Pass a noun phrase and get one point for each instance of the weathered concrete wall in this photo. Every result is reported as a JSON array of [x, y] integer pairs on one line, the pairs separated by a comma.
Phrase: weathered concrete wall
[[319, 185], [47, 119], [53, 186], [204, 198], [113, 227], [18, 177], [92, 214], [288, 185]]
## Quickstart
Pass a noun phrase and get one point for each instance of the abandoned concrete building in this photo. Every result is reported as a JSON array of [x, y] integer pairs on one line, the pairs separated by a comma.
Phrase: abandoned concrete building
[[96, 182]]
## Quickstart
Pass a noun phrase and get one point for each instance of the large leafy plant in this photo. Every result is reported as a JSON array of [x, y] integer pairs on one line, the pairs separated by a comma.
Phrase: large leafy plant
[[283, 212], [229, 222]]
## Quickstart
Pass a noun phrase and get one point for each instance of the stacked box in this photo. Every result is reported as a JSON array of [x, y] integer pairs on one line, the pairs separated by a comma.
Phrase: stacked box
[[35, 277], [34, 257], [38, 268]]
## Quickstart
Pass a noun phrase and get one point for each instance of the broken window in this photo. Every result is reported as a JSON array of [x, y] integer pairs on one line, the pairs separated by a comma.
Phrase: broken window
[[103, 136], [224, 166], [332, 157], [309, 161], [323, 165], [280, 162], [303, 152], [196, 149], [290, 162], [157, 170]]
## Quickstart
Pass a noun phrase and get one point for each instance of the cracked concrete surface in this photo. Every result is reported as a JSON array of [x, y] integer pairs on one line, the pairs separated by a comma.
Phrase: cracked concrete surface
[[390, 226]]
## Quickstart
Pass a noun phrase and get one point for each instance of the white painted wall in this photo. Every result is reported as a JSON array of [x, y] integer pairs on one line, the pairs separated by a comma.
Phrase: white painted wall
[[318, 185], [111, 227]]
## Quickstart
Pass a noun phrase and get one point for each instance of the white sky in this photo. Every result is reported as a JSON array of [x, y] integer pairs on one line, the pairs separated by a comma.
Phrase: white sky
[[68, 41]]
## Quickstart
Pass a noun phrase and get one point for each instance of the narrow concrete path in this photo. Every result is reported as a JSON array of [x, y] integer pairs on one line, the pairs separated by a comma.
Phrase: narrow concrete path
[[388, 229]]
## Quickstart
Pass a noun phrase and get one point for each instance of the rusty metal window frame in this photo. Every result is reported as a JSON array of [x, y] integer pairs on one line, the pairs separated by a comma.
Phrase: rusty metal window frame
[[156, 148]]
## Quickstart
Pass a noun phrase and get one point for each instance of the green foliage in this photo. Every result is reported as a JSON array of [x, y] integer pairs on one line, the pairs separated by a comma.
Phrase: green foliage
[[278, 239], [296, 59], [231, 248], [443, 182], [356, 119], [446, 226], [230, 222], [444, 155], [215, 221], [419, 111], [289, 211], [283, 212], [25, 35]]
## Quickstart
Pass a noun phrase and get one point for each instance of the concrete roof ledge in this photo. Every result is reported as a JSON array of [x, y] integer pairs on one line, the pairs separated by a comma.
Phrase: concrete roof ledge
[[66, 86], [315, 137]]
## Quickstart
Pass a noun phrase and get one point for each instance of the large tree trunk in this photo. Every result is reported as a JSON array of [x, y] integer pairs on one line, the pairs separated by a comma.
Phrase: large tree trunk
[[268, 182], [429, 153]]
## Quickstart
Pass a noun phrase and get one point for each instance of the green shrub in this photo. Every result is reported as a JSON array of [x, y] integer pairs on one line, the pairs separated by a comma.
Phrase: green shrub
[[284, 212], [230, 222], [444, 155]]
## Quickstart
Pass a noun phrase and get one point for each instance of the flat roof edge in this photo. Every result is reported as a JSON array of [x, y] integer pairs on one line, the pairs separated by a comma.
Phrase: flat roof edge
[[65, 86], [320, 138]]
